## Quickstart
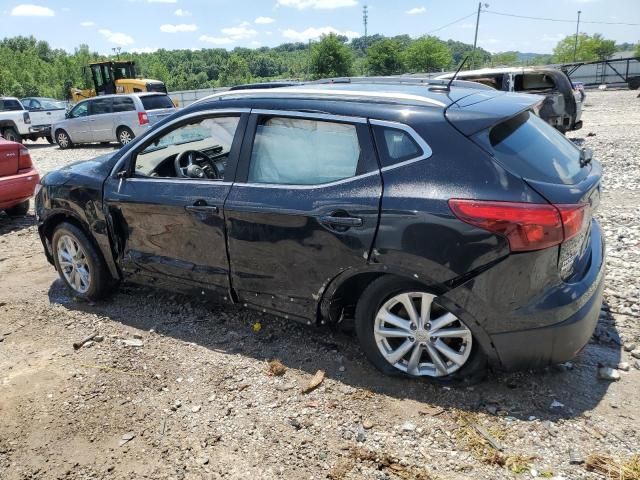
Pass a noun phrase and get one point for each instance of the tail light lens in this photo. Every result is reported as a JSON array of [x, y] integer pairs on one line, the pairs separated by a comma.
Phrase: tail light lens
[[27, 118], [143, 118], [24, 159], [527, 226]]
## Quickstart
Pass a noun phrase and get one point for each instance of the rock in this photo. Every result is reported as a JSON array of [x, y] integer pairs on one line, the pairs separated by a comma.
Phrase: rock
[[367, 424], [624, 366], [98, 338], [636, 364], [408, 427], [608, 373], [575, 458], [629, 347], [636, 353], [137, 336], [126, 438], [556, 405], [88, 344], [196, 408], [133, 342], [360, 435]]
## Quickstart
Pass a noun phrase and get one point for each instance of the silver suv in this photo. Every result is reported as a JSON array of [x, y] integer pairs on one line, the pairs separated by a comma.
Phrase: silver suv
[[109, 118]]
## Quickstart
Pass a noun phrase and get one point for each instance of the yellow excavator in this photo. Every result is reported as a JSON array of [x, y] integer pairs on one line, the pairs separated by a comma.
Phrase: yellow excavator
[[115, 77]]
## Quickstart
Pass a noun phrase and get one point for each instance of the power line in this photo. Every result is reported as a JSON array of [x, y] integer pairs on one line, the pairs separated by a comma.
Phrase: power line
[[449, 24], [547, 19]]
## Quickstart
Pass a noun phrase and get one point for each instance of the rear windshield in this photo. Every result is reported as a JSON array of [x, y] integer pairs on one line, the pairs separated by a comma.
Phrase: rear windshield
[[156, 102], [533, 149]]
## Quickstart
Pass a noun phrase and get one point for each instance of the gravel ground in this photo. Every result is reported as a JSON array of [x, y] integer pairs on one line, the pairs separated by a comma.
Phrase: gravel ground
[[175, 388]]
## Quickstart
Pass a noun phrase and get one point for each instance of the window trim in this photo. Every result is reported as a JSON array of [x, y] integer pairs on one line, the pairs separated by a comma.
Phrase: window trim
[[424, 146], [127, 162]]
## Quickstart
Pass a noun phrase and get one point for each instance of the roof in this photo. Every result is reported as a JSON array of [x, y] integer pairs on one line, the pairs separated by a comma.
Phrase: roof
[[406, 94]]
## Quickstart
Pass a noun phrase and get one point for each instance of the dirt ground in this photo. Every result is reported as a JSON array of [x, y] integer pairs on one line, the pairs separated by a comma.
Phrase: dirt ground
[[178, 389]]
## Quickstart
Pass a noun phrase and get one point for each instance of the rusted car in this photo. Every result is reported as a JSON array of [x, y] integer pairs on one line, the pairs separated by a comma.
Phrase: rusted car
[[562, 104]]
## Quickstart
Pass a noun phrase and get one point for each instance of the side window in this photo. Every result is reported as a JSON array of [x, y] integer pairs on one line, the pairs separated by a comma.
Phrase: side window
[[204, 143], [28, 104], [100, 106], [80, 110], [294, 151], [123, 104], [395, 145]]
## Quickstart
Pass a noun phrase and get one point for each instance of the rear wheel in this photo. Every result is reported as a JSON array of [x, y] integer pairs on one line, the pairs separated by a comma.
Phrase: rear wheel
[[79, 264], [125, 135], [404, 331], [19, 210], [12, 135], [63, 140]]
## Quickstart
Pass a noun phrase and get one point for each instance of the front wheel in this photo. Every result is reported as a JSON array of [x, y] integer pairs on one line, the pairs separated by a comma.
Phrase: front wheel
[[79, 263], [125, 135], [63, 140], [403, 330]]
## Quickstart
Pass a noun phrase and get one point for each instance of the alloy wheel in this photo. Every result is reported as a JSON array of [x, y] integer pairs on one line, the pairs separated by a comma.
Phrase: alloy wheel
[[63, 140], [125, 137], [74, 264], [421, 338]]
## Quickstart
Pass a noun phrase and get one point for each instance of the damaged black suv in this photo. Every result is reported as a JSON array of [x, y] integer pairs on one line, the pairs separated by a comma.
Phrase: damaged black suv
[[452, 224]]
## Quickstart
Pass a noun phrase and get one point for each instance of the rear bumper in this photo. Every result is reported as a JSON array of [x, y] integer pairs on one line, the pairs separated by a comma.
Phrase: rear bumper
[[17, 188], [559, 342]]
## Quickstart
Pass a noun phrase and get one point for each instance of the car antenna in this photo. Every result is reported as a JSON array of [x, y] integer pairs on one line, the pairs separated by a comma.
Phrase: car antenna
[[457, 72]]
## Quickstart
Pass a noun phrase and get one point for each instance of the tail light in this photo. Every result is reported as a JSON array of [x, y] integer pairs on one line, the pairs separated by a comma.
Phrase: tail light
[[527, 226], [27, 118], [143, 119], [24, 159]]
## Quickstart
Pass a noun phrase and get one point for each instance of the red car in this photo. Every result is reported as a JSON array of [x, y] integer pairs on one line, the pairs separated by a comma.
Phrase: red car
[[18, 178]]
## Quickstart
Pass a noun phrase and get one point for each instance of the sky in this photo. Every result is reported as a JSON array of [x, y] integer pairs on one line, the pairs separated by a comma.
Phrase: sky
[[147, 25]]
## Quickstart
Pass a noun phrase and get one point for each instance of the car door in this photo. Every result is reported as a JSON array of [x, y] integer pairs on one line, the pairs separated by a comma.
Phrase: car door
[[36, 112], [101, 120], [303, 209], [170, 230], [77, 125]]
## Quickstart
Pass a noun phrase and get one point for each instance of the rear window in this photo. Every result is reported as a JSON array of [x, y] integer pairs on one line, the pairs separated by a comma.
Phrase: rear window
[[156, 102], [533, 149], [10, 105]]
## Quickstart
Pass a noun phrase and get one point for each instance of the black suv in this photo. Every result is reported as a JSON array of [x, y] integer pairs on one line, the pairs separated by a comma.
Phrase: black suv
[[453, 225]]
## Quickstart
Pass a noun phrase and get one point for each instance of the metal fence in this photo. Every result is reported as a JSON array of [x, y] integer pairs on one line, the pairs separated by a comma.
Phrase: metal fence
[[184, 98]]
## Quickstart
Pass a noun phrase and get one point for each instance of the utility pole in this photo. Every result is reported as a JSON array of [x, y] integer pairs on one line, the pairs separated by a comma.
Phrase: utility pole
[[116, 50], [575, 44], [475, 38], [365, 21]]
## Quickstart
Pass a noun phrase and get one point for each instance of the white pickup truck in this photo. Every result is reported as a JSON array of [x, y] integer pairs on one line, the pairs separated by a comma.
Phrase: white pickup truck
[[18, 123], [44, 112]]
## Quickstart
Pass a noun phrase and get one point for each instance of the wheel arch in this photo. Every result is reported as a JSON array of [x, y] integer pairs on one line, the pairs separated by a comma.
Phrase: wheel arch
[[48, 226], [345, 290]]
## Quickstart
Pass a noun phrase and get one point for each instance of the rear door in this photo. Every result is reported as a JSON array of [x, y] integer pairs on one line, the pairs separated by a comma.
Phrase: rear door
[[101, 120], [303, 209]]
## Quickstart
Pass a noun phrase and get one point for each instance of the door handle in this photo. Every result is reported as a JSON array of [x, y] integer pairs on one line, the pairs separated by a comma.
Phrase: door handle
[[211, 209], [341, 221]]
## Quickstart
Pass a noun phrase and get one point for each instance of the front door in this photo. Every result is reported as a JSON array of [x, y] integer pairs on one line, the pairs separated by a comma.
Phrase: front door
[[78, 124], [168, 214], [304, 208]]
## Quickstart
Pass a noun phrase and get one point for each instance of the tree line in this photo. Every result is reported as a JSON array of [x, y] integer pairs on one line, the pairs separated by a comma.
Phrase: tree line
[[30, 67]]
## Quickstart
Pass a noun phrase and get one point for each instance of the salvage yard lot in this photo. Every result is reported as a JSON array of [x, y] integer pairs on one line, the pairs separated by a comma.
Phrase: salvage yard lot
[[177, 388]]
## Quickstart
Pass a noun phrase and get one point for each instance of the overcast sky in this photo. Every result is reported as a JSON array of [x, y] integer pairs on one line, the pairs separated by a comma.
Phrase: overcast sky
[[146, 25]]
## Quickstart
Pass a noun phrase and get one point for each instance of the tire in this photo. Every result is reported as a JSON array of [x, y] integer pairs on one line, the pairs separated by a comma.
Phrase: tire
[[385, 291], [19, 210], [634, 83], [12, 135], [50, 139], [63, 140], [93, 280], [125, 135]]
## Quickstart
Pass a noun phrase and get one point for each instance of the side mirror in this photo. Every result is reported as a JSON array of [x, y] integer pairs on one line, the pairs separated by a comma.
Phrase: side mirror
[[67, 115]]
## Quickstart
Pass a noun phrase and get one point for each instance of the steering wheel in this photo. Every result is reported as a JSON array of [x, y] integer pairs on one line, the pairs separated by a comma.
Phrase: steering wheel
[[187, 165]]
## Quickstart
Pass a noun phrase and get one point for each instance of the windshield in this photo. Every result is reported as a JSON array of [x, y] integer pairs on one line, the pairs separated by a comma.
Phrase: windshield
[[156, 102], [50, 104], [533, 149]]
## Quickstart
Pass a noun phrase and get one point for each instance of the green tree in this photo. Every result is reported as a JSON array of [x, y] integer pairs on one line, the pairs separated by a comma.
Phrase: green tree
[[385, 57], [637, 51], [427, 54], [504, 58], [235, 71], [330, 57], [589, 47]]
